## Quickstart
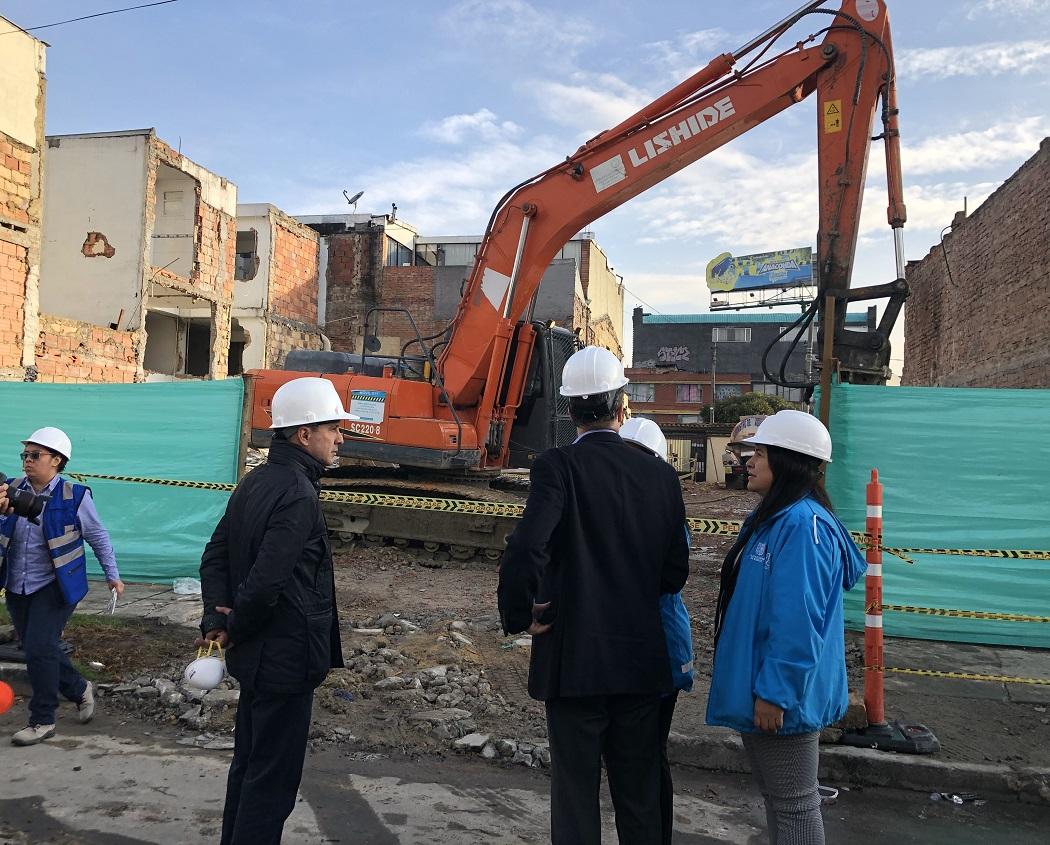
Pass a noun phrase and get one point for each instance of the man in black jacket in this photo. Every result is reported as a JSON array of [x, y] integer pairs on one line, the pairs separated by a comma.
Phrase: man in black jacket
[[269, 597], [601, 538]]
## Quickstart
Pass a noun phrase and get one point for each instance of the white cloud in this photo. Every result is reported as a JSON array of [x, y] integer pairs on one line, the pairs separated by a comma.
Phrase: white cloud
[[991, 59], [682, 56], [1006, 7], [518, 24], [1011, 142], [458, 128], [450, 194], [590, 103]]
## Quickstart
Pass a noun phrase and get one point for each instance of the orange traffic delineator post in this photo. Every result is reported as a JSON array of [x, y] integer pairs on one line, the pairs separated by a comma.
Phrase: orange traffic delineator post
[[880, 734], [874, 694]]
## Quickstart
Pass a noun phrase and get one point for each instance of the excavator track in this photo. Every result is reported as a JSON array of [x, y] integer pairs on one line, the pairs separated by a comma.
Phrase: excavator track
[[438, 520]]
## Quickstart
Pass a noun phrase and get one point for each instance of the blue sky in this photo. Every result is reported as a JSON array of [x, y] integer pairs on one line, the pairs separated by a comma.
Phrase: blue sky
[[442, 106]]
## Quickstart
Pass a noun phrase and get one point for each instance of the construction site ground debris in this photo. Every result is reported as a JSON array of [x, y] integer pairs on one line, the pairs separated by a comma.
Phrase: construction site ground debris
[[429, 670]]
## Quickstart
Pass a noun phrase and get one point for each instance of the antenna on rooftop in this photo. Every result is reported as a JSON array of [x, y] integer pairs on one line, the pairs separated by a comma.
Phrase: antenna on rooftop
[[352, 200]]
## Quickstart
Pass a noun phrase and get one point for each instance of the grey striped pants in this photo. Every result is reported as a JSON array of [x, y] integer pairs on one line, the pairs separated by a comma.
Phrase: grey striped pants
[[785, 771]]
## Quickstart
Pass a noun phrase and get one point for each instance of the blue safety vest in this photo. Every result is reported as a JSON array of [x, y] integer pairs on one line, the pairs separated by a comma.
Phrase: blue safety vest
[[65, 543]]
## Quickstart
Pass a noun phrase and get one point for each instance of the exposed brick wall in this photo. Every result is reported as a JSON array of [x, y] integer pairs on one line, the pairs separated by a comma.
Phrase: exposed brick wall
[[354, 276], [987, 326], [20, 210], [16, 162], [284, 335], [293, 270], [72, 351], [411, 288], [14, 268]]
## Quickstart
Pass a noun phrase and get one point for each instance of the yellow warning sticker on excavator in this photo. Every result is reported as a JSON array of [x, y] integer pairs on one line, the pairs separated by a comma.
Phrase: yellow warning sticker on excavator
[[833, 116]]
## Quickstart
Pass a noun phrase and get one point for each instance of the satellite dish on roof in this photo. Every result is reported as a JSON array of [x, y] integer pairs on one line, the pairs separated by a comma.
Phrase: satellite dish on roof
[[353, 200]]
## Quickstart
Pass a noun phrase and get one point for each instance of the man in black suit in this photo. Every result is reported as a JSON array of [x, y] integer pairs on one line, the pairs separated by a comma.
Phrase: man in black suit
[[601, 538]]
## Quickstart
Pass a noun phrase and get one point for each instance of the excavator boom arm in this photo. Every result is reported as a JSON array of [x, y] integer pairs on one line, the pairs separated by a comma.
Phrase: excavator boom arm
[[849, 70]]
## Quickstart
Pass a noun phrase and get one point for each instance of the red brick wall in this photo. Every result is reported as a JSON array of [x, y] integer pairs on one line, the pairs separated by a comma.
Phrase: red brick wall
[[13, 272], [354, 276], [987, 325], [71, 351], [20, 206], [15, 180], [293, 273], [411, 288]]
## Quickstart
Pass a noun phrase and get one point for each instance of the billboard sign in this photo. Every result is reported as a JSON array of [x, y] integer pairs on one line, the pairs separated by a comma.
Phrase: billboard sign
[[786, 268]]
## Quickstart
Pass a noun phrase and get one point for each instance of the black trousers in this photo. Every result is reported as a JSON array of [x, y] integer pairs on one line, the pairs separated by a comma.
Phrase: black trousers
[[667, 704], [625, 730], [269, 749]]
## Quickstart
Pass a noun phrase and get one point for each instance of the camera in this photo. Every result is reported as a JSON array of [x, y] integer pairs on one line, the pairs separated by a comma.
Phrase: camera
[[26, 503]]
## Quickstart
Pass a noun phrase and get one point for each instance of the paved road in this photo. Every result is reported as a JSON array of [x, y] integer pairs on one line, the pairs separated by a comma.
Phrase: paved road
[[127, 782]]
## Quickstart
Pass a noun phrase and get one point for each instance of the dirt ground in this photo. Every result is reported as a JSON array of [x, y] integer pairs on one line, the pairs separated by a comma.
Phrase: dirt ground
[[372, 581]]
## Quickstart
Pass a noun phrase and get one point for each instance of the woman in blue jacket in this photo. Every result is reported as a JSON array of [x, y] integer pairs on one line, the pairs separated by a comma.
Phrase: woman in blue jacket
[[779, 671]]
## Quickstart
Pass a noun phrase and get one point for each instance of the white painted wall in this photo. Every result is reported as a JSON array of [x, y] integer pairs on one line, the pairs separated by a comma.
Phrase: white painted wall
[[255, 350], [21, 63], [93, 184], [253, 293], [172, 241]]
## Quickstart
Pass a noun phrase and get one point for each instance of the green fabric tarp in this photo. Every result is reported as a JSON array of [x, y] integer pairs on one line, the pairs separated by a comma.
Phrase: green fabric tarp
[[962, 468], [186, 430]]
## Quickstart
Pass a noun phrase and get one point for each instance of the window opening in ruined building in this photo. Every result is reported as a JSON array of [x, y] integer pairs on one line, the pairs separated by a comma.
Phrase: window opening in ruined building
[[247, 256], [397, 255], [175, 234], [178, 344], [163, 343], [198, 347], [238, 340]]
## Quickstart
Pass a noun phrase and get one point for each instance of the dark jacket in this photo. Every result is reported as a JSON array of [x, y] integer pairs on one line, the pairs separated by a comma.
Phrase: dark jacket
[[601, 539], [270, 560]]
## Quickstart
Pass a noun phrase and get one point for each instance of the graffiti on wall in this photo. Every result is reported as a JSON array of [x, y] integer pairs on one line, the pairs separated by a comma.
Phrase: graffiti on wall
[[672, 354]]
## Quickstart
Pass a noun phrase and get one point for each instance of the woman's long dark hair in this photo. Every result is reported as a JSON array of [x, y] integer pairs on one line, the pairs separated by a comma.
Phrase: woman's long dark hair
[[795, 476]]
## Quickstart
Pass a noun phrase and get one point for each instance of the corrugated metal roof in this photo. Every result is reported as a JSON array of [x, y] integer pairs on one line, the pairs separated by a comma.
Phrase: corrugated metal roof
[[744, 319]]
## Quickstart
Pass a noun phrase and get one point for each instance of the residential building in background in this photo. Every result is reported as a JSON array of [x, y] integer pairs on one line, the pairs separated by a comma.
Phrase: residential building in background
[[670, 396], [729, 342], [275, 299], [22, 91], [137, 272], [976, 316], [377, 261]]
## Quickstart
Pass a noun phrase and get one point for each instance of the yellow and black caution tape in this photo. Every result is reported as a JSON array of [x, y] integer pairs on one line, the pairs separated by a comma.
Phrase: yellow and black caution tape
[[718, 527], [164, 482], [961, 676], [965, 614], [423, 503], [701, 525], [343, 496]]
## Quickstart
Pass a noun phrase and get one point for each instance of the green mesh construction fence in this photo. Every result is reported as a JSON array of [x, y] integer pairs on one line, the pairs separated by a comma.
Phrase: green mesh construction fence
[[181, 430], [962, 468]]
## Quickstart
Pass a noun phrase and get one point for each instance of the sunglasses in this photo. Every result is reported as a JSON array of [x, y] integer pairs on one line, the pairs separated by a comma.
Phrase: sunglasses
[[33, 456]]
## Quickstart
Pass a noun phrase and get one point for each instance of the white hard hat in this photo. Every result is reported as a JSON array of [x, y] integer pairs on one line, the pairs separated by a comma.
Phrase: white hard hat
[[796, 431], [590, 371], [645, 433], [53, 438], [205, 673], [304, 401]]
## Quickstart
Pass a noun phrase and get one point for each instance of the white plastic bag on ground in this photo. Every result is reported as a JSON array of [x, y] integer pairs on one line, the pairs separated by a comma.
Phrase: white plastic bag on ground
[[186, 587]]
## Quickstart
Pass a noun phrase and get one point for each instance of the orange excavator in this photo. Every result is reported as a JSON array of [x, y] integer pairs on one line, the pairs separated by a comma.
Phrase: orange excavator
[[467, 401]]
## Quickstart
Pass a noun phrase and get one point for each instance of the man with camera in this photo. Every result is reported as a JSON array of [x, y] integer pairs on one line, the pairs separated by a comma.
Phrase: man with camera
[[43, 569]]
